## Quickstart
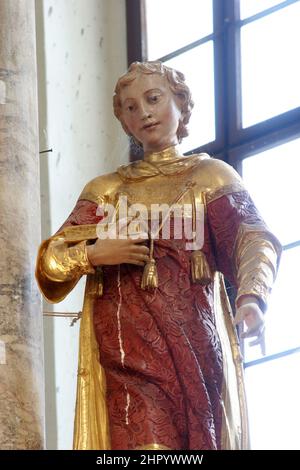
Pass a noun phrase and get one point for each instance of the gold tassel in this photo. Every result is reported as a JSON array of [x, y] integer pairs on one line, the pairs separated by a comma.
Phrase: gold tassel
[[200, 268], [150, 276]]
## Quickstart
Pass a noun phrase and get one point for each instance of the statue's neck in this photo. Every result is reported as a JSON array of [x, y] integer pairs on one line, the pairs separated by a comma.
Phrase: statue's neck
[[170, 153]]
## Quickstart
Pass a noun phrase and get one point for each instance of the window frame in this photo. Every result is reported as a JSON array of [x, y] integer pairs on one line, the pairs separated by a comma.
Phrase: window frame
[[233, 143]]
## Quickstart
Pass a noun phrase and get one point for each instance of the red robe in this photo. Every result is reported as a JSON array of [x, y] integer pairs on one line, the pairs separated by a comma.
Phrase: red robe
[[160, 350], [165, 354]]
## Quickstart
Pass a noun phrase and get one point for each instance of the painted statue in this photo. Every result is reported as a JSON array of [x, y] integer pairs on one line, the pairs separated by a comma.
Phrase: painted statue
[[159, 360]]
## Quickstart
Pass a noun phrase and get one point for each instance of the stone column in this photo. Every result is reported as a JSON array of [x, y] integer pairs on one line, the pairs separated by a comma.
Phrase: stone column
[[21, 339]]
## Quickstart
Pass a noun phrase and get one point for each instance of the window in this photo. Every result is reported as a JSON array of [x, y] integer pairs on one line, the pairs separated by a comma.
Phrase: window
[[240, 60], [270, 73], [276, 171], [191, 51], [170, 16], [203, 115], [272, 178]]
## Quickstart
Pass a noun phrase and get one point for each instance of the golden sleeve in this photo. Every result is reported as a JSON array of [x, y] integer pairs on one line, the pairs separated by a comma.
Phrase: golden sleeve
[[257, 255], [59, 267], [246, 252], [61, 262], [62, 259]]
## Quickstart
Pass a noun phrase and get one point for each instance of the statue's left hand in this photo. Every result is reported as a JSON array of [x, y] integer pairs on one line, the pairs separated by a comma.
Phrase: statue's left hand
[[250, 312]]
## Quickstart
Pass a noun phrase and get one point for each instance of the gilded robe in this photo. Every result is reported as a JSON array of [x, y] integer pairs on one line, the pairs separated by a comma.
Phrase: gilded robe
[[161, 369]]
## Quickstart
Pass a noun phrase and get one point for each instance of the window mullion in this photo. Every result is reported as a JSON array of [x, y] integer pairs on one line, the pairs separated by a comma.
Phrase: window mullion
[[250, 143], [232, 59], [267, 12], [136, 31], [272, 357], [220, 78]]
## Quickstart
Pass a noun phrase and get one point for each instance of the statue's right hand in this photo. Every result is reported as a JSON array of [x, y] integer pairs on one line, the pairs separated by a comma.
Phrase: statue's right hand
[[117, 251]]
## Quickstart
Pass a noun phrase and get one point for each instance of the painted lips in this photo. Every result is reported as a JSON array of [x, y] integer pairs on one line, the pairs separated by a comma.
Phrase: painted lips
[[150, 126]]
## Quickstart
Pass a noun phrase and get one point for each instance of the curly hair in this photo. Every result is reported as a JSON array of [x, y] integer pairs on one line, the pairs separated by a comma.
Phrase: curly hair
[[177, 85]]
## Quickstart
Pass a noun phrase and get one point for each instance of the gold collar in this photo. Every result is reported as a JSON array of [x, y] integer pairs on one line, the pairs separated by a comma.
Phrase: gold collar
[[167, 162], [167, 154]]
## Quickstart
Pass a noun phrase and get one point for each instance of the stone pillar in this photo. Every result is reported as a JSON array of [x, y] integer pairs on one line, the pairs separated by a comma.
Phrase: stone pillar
[[21, 339]]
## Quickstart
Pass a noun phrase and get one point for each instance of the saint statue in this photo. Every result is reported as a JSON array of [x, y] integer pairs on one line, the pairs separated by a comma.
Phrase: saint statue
[[159, 359]]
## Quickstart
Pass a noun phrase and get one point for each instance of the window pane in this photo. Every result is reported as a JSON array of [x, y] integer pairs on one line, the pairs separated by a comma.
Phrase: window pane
[[251, 7], [172, 24], [198, 68], [283, 315], [270, 65], [283, 318], [273, 391], [272, 178]]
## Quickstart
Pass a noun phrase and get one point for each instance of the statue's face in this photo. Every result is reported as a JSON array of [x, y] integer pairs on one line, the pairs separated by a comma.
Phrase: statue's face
[[151, 111]]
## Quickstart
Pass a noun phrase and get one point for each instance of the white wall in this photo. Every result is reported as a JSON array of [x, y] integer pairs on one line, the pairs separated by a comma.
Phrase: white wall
[[81, 53]]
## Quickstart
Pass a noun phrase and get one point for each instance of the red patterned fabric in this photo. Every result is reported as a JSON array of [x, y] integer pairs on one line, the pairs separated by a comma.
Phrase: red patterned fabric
[[160, 350], [168, 388], [84, 213], [224, 218]]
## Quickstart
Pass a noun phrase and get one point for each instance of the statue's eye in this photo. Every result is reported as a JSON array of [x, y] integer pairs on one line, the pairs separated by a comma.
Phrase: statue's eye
[[153, 98]]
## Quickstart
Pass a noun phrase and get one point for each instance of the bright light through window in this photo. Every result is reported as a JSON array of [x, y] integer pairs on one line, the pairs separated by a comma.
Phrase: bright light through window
[[172, 24], [272, 178], [283, 313], [198, 68], [273, 391], [270, 65], [251, 7]]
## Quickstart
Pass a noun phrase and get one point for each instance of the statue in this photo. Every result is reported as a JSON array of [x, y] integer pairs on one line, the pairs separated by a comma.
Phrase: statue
[[159, 360]]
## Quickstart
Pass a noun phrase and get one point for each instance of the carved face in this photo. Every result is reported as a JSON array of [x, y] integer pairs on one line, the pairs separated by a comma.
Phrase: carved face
[[151, 111]]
